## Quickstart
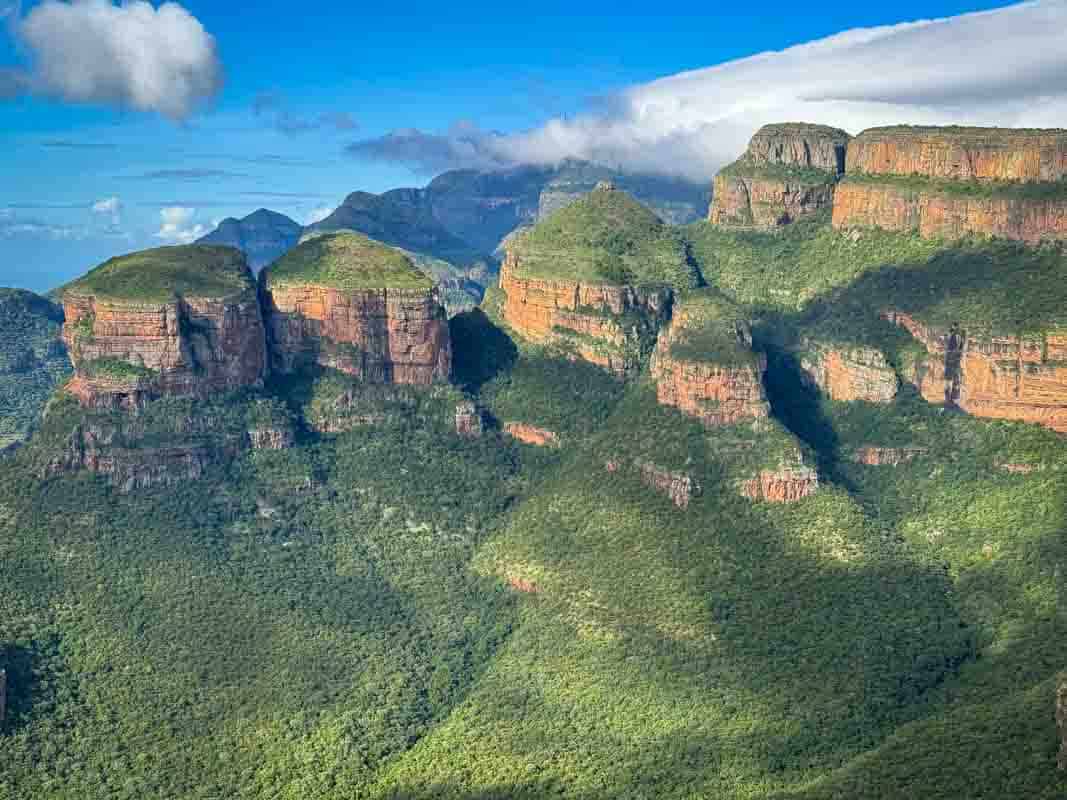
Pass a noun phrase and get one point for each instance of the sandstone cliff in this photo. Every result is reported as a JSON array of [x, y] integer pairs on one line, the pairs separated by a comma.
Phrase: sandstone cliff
[[936, 211], [346, 302], [1001, 377], [951, 182], [678, 487], [787, 172], [875, 456], [849, 373], [172, 322], [786, 484], [704, 365], [596, 279], [960, 153]]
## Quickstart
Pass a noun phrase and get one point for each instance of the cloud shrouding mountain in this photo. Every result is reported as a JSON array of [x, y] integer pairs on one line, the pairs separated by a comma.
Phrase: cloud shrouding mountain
[[1005, 67], [130, 56]]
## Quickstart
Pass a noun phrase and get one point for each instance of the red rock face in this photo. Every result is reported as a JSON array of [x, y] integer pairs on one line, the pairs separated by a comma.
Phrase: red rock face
[[715, 394], [998, 377], [538, 310], [964, 154], [531, 434], [765, 202], [378, 335], [678, 487], [857, 373], [887, 206], [193, 346], [787, 484], [887, 456], [469, 421]]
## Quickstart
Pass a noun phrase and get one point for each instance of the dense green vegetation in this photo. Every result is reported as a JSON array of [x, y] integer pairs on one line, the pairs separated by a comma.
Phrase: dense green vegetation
[[714, 330], [915, 185], [345, 260], [156, 276], [393, 611], [33, 360], [606, 237], [791, 173]]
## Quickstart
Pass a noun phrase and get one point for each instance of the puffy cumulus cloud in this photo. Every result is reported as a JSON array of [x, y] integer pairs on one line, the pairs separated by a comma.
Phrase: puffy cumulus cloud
[[1004, 67], [177, 225], [131, 55]]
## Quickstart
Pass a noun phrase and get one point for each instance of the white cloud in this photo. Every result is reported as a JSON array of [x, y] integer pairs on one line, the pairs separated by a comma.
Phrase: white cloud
[[177, 225], [130, 55], [110, 207], [318, 214], [1003, 67], [14, 226]]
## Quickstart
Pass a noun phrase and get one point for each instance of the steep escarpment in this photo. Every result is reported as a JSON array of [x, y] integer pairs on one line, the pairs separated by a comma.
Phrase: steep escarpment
[[346, 302], [788, 171], [704, 364], [596, 279], [1002, 377], [951, 182], [849, 372], [171, 322]]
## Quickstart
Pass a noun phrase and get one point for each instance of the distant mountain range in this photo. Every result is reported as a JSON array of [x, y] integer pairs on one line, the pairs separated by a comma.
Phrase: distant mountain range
[[461, 216]]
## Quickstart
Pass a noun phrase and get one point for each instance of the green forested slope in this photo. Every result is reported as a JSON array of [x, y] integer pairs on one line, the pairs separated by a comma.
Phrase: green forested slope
[[399, 612]]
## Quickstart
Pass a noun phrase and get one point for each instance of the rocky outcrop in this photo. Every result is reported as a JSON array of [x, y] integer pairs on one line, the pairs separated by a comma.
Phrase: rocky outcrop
[[727, 392], [874, 456], [271, 438], [530, 434], [788, 172], [678, 487], [198, 334], [766, 201], [377, 335], [935, 212], [960, 153], [951, 182], [1000, 377], [1061, 720], [786, 484], [106, 450], [469, 422], [849, 373], [586, 318]]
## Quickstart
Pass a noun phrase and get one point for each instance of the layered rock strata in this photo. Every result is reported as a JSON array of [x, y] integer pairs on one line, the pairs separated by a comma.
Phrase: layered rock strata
[[1000, 377], [717, 392], [849, 373], [788, 172], [589, 319], [960, 153], [469, 422], [952, 182], [786, 484], [376, 335], [128, 352]]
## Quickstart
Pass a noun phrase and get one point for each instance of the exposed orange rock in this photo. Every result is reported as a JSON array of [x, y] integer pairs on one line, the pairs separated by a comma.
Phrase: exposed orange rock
[[875, 456], [549, 311], [716, 394], [948, 215], [523, 585], [1020, 469], [186, 347], [377, 335], [1000, 377], [787, 484], [850, 373], [765, 201], [271, 438], [531, 434], [678, 487], [776, 181], [961, 153]]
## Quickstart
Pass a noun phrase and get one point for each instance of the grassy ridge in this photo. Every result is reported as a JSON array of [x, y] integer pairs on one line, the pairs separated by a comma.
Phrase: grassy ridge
[[916, 185], [345, 260]]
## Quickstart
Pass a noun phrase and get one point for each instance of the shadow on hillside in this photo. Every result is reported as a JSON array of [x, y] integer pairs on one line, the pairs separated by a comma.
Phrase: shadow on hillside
[[480, 350], [20, 665]]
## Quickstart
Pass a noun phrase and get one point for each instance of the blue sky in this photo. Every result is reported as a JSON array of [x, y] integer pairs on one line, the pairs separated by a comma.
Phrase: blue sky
[[303, 82]]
